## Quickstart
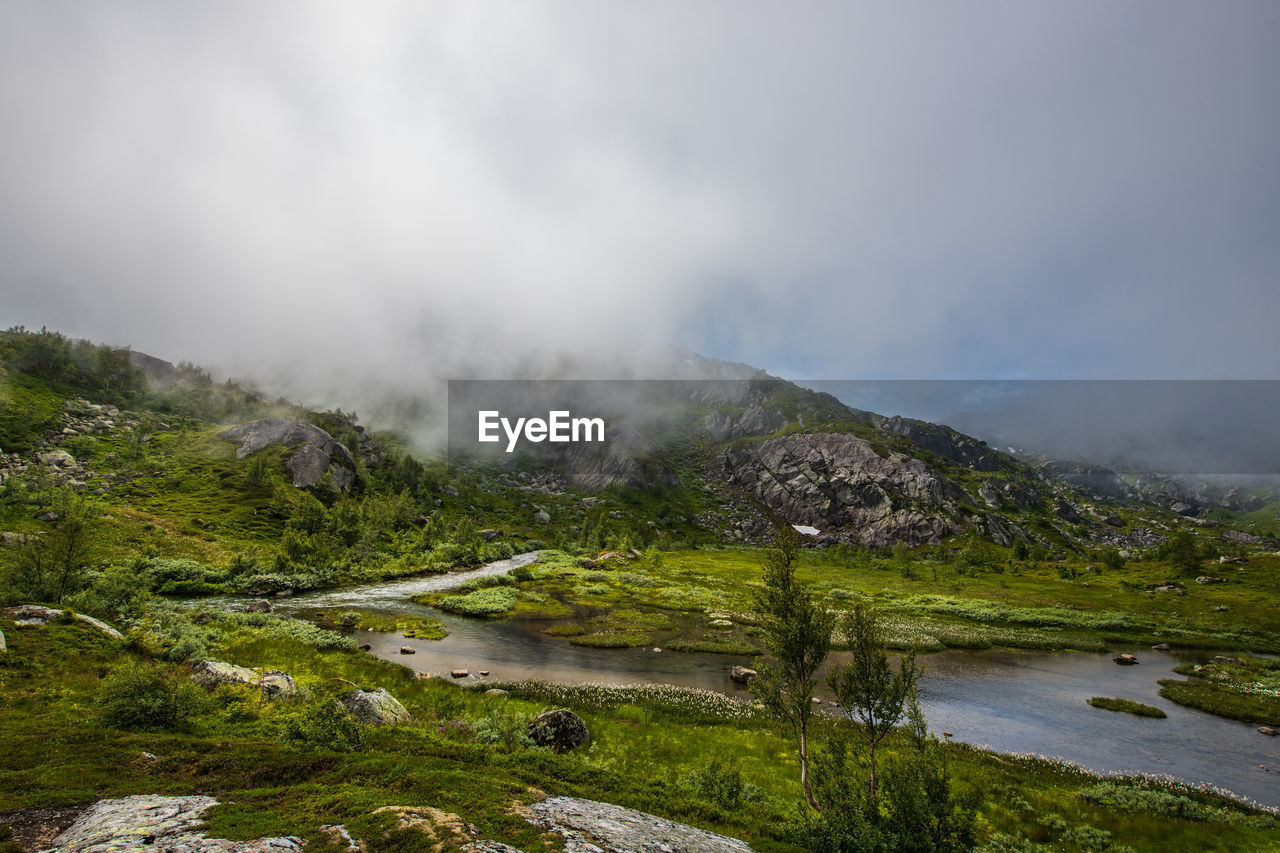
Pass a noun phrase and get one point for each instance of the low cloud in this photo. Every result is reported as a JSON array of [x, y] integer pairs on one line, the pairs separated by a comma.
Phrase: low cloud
[[335, 200]]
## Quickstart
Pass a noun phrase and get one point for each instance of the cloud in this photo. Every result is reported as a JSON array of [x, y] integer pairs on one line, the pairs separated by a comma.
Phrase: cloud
[[331, 198]]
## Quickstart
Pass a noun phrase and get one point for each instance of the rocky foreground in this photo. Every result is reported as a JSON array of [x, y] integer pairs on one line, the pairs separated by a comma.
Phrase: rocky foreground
[[169, 825]]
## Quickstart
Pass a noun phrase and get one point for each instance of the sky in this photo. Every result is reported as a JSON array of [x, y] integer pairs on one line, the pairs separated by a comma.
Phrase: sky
[[335, 197]]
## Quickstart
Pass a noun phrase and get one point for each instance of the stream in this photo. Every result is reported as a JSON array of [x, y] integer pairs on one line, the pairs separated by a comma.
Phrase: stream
[[1006, 700]]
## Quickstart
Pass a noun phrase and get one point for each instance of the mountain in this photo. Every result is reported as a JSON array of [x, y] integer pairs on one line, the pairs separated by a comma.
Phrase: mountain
[[721, 454]]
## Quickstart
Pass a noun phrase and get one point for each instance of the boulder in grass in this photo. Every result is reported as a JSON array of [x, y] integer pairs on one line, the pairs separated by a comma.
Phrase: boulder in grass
[[274, 683], [561, 730], [211, 673], [375, 707], [278, 685]]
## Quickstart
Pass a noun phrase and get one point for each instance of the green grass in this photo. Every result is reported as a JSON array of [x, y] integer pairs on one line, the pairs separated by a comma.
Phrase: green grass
[[1241, 688], [415, 627], [715, 645], [933, 607], [482, 602], [612, 640], [1221, 701], [646, 743], [1128, 706]]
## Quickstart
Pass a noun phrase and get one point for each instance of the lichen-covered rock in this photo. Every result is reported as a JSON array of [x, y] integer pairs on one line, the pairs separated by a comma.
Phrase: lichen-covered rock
[[743, 675], [561, 730], [159, 824], [58, 459], [317, 452], [592, 827], [375, 708], [36, 614], [274, 684], [278, 685], [211, 673]]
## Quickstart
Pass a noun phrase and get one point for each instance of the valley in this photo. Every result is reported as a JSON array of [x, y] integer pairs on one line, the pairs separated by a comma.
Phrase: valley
[[166, 507]]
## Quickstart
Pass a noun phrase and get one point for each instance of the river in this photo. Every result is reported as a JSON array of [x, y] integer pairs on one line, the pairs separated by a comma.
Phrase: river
[[1005, 700]]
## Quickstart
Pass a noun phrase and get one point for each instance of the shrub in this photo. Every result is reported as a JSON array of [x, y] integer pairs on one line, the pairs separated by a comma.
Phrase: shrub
[[147, 697], [507, 730], [721, 783], [323, 723], [171, 634]]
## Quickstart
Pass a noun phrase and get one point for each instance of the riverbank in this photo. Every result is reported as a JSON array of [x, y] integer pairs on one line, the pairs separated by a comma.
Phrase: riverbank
[[927, 606], [646, 750]]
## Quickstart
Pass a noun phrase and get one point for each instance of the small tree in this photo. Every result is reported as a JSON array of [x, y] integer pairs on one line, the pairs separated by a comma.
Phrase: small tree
[[52, 565], [871, 694], [797, 637], [147, 697], [924, 811], [1183, 552]]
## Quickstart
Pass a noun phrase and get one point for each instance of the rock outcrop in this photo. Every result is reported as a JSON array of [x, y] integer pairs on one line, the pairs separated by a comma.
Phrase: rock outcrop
[[35, 614], [839, 483], [593, 827], [159, 824], [315, 451], [944, 442]]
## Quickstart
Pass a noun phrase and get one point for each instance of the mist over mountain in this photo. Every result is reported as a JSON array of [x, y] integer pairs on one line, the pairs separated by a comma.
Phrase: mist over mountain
[[1204, 428], [344, 201]]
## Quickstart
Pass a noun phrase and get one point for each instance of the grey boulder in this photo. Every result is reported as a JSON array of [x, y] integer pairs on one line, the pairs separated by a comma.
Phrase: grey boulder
[[375, 708]]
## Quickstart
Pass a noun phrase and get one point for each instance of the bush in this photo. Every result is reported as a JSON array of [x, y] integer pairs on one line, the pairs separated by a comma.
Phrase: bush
[[147, 697], [171, 634], [323, 723], [509, 730], [721, 783]]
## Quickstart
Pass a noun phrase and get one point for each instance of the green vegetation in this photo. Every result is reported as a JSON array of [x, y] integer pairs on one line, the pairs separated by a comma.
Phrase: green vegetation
[[482, 602], [291, 766], [1239, 688], [412, 627], [1128, 706], [1223, 702], [144, 697]]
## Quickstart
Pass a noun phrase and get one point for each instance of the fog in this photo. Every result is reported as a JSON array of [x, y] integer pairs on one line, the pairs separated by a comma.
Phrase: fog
[[339, 200]]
